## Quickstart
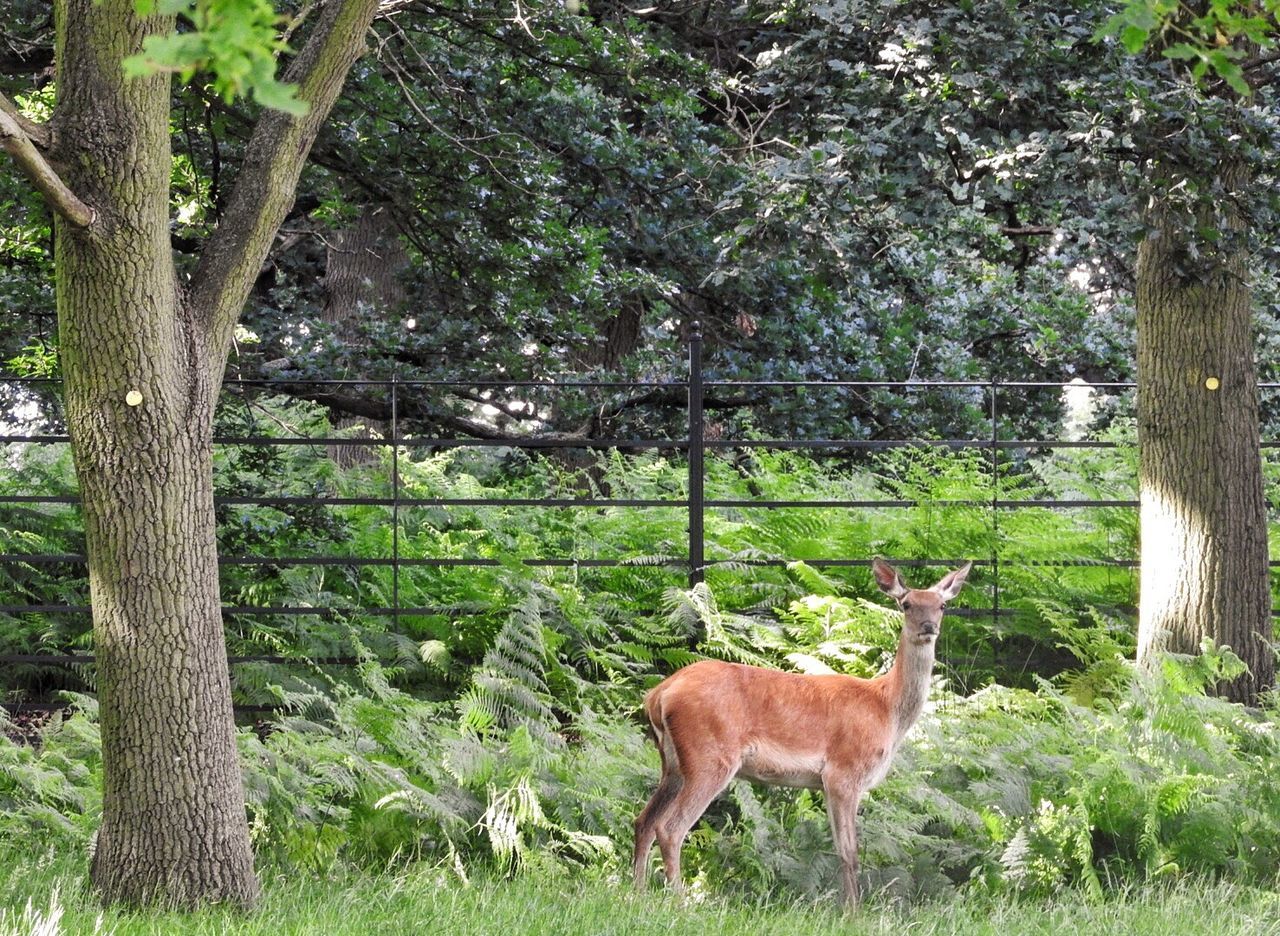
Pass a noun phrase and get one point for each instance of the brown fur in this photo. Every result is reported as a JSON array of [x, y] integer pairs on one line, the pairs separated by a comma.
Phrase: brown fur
[[714, 721]]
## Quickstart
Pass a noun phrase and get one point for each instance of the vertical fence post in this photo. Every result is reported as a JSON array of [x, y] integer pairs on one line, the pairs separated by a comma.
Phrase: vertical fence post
[[395, 502], [995, 504], [697, 571]]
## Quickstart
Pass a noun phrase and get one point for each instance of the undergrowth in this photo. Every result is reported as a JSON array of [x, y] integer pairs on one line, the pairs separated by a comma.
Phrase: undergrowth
[[1005, 791], [455, 614]]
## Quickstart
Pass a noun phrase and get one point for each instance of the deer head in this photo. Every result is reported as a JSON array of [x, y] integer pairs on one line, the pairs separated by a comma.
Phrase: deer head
[[921, 607]]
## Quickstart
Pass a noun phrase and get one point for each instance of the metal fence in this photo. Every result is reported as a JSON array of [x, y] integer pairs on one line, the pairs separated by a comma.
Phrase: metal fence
[[695, 505]]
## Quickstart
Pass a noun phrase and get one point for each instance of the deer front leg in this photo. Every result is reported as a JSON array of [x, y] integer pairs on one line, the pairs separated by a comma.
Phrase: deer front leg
[[842, 797]]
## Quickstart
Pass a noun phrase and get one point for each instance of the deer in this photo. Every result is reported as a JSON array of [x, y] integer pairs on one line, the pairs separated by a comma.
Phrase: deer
[[714, 721]]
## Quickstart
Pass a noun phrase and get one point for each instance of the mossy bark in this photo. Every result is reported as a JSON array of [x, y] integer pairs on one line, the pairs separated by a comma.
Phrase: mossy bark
[[1203, 514], [143, 360], [139, 400]]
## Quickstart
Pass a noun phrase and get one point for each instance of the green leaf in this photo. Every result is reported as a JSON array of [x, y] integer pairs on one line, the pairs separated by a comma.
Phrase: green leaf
[[1229, 70], [1134, 38], [235, 41], [1182, 51]]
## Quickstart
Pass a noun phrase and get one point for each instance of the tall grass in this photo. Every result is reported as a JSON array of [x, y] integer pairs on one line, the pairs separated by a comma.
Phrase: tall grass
[[44, 894]]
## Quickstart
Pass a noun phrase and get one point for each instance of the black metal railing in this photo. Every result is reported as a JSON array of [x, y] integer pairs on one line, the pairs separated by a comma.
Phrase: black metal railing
[[694, 504]]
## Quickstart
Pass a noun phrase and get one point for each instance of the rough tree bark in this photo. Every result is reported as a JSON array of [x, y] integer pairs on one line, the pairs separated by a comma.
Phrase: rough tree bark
[[1203, 514], [137, 386], [143, 358], [621, 337], [363, 266]]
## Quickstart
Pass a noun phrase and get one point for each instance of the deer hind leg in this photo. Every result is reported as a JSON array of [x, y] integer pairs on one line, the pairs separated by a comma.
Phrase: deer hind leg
[[647, 821], [668, 786], [700, 787], [842, 811]]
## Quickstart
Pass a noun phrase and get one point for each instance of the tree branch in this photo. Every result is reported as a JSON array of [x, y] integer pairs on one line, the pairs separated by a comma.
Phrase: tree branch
[[371, 408], [36, 132], [18, 144], [1260, 61], [33, 58], [268, 178]]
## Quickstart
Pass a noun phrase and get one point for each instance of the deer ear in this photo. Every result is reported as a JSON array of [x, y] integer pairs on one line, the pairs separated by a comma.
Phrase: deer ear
[[951, 583], [887, 578]]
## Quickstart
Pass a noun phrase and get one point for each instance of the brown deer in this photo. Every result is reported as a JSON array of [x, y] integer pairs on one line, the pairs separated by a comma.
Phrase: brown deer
[[714, 721]]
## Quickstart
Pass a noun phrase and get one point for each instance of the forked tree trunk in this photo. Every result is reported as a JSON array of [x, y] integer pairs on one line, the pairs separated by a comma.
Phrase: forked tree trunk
[[140, 389], [1203, 515], [143, 359]]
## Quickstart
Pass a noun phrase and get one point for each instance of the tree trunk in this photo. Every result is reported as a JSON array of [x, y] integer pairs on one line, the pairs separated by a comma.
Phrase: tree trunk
[[142, 361], [173, 825], [362, 273], [363, 266], [621, 337], [1203, 515], [140, 389]]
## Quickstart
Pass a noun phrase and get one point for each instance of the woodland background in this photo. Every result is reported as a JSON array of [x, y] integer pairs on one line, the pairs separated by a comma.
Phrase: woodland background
[[874, 191]]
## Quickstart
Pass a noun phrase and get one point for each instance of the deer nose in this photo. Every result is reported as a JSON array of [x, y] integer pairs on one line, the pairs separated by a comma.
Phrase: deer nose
[[928, 629]]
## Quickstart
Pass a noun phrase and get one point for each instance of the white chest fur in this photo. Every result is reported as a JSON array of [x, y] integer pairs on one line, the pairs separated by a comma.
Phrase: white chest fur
[[767, 762]]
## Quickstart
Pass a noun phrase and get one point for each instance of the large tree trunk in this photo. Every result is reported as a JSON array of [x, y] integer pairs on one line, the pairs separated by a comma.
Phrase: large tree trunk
[[140, 389], [173, 824], [143, 361], [1203, 515]]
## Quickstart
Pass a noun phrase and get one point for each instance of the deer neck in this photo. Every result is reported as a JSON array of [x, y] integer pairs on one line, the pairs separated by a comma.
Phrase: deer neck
[[909, 682]]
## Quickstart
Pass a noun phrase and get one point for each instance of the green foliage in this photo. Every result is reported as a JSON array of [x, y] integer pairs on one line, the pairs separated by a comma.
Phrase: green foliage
[[1127, 791], [384, 776], [1102, 646], [1004, 791], [839, 634], [40, 529], [38, 358], [236, 41], [492, 728], [606, 627], [590, 184], [508, 688], [52, 790], [1213, 36], [833, 199]]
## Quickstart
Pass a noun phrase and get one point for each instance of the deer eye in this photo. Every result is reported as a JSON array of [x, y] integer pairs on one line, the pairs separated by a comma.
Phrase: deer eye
[[906, 605]]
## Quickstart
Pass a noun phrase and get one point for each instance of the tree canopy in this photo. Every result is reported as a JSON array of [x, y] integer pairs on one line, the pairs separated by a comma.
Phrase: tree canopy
[[878, 192]]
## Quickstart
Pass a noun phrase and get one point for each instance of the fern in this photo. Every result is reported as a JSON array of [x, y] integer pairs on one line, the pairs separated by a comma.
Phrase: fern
[[696, 614], [509, 687]]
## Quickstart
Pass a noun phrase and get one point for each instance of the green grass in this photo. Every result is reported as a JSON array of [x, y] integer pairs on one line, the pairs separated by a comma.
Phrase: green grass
[[424, 900]]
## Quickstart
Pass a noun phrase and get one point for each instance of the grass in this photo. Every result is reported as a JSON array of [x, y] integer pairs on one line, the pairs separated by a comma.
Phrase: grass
[[427, 900]]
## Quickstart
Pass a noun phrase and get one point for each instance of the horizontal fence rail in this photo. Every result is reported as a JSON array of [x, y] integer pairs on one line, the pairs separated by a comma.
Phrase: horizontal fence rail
[[695, 444]]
